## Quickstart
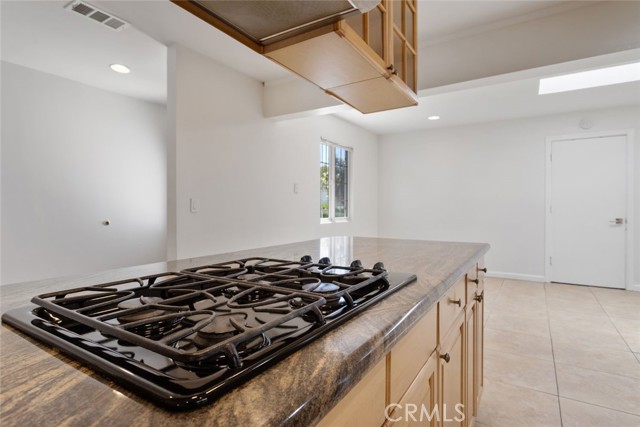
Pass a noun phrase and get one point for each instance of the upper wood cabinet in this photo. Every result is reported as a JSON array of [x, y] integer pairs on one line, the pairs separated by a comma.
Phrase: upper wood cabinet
[[368, 61]]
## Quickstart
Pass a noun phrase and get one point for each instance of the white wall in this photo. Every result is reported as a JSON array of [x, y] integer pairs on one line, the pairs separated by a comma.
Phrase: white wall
[[242, 167], [73, 156], [484, 183]]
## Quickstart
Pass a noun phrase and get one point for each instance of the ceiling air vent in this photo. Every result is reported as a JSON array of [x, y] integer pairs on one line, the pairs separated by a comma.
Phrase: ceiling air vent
[[96, 15]]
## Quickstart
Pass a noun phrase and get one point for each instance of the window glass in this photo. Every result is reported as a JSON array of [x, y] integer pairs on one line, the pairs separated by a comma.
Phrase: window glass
[[324, 181], [335, 164], [341, 183]]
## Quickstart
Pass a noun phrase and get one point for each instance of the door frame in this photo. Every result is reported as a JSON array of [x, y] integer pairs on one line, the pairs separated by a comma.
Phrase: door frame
[[629, 234]]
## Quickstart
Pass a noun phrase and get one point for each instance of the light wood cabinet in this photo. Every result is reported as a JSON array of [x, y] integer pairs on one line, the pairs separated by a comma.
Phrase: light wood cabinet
[[450, 307], [433, 376], [474, 330], [452, 375], [368, 61], [479, 335], [364, 405], [419, 403], [471, 363], [409, 355]]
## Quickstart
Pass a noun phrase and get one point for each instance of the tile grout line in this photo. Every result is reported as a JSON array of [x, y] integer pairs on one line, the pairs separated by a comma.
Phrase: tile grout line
[[498, 381], [613, 374], [553, 354], [514, 353], [600, 406], [612, 322]]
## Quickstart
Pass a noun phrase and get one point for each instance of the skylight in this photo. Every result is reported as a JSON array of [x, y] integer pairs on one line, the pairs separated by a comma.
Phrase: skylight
[[588, 79]]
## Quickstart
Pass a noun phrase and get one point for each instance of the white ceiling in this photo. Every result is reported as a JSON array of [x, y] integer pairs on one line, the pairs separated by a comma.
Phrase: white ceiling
[[45, 36], [444, 19], [503, 101]]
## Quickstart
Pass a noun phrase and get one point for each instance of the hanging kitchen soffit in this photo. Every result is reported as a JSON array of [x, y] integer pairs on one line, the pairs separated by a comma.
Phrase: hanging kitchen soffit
[[363, 52]]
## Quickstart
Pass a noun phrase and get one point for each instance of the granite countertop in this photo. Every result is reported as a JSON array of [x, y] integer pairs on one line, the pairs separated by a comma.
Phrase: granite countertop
[[41, 386]]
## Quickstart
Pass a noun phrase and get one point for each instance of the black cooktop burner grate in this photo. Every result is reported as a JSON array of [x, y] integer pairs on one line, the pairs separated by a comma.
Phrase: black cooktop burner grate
[[184, 338]]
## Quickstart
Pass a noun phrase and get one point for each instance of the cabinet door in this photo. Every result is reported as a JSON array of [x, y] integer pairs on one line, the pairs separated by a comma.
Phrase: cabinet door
[[379, 94], [479, 349], [471, 363], [418, 406], [403, 46], [410, 354], [452, 375], [364, 405], [371, 29]]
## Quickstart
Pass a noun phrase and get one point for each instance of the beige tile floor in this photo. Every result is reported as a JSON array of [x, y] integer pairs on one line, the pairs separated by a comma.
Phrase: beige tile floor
[[560, 356]]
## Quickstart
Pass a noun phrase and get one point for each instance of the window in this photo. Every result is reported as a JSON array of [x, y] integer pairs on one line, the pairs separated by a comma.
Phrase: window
[[335, 167]]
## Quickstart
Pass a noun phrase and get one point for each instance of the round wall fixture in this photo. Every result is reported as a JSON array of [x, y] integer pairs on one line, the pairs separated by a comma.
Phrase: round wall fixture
[[586, 123]]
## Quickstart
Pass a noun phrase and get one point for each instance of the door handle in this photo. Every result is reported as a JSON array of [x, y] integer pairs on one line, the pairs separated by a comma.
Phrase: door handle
[[617, 221]]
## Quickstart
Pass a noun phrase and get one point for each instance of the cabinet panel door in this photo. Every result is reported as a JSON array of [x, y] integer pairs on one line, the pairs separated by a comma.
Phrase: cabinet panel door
[[452, 376], [373, 95], [410, 354], [470, 407], [311, 60], [479, 350], [417, 406], [364, 405], [450, 306]]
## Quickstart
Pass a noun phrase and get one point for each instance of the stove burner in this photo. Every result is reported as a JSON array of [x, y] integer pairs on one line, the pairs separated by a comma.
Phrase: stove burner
[[249, 276], [142, 314], [221, 361], [321, 287], [254, 296], [224, 324]]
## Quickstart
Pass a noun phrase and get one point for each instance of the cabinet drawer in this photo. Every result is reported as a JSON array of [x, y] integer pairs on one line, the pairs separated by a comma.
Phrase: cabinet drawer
[[364, 405], [474, 285], [410, 354], [450, 307], [482, 269]]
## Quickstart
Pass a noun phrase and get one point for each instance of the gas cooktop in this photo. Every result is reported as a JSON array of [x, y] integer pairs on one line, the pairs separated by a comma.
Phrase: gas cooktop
[[182, 339]]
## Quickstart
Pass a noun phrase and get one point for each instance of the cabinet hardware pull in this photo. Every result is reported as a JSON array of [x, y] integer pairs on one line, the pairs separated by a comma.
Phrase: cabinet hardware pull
[[456, 301], [476, 281], [484, 270], [446, 357], [479, 298]]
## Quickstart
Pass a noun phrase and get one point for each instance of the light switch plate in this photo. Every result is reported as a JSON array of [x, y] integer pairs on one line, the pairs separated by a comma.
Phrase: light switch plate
[[194, 205]]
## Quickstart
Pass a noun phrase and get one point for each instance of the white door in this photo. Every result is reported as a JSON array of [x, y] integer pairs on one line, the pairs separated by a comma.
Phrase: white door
[[588, 211]]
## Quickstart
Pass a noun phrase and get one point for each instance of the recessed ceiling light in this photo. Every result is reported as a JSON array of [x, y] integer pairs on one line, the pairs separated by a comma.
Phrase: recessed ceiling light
[[119, 68], [588, 79], [433, 117]]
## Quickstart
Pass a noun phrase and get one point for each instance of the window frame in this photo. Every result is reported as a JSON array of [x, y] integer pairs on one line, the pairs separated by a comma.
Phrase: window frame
[[332, 187]]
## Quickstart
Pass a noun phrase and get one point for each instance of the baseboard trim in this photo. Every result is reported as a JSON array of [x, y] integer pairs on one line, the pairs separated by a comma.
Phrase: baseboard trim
[[515, 276], [635, 288]]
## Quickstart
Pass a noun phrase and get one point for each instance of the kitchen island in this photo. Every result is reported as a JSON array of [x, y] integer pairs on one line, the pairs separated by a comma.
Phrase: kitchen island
[[42, 386]]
